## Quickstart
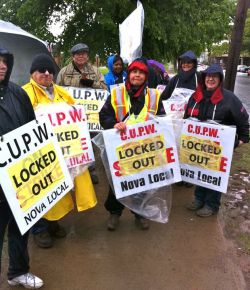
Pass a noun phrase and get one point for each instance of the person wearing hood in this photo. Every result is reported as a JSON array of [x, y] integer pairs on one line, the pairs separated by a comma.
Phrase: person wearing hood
[[135, 97], [15, 111], [116, 74], [186, 78], [212, 102]]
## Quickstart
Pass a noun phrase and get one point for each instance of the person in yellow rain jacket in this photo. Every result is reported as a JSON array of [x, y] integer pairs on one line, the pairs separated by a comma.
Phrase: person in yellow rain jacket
[[129, 100], [42, 90]]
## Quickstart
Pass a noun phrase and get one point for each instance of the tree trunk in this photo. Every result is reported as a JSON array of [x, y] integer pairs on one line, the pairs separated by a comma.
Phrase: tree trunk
[[236, 42]]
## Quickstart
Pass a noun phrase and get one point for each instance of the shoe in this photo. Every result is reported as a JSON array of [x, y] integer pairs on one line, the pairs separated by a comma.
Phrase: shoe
[[205, 212], [195, 205], [27, 280], [56, 231], [94, 178], [142, 223], [113, 222], [43, 240]]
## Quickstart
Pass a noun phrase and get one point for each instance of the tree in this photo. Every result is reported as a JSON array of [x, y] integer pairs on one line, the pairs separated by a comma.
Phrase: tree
[[171, 27], [246, 36], [236, 42]]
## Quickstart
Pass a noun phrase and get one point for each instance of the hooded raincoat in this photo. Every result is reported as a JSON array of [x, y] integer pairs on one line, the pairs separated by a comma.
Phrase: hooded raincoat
[[84, 190], [111, 78]]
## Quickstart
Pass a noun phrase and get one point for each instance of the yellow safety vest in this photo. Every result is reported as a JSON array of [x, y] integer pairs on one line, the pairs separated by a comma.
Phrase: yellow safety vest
[[84, 189], [121, 104]]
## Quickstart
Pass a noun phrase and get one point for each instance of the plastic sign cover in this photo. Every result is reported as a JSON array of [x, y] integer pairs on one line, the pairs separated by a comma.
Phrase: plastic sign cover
[[142, 158], [34, 175]]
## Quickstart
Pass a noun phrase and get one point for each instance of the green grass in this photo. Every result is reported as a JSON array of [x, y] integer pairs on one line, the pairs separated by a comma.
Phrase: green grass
[[103, 70]]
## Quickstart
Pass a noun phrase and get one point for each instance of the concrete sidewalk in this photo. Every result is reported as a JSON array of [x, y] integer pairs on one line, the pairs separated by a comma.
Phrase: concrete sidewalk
[[188, 253]]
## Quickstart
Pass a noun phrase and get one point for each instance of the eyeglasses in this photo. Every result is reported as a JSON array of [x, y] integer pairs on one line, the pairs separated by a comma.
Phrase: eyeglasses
[[212, 76], [186, 62], [43, 70]]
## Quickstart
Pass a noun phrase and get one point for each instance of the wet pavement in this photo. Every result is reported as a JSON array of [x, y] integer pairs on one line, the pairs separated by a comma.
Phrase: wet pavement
[[242, 89], [188, 253]]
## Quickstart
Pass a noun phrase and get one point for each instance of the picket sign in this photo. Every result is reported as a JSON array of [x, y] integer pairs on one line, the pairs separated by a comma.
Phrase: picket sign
[[34, 175], [142, 158], [93, 100], [71, 129], [206, 151]]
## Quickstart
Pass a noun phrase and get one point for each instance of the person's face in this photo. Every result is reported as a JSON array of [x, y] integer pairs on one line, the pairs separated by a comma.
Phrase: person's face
[[187, 65], [3, 68], [117, 66], [137, 77], [43, 77], [80, 58], [212, 81]]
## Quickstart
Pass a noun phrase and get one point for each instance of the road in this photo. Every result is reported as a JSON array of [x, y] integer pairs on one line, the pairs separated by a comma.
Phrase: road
[[187, 253], [242, 89]]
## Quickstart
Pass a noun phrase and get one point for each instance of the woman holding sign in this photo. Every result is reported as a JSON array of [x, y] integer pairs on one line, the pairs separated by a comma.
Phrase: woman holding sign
[[127, 101], [212, 102]]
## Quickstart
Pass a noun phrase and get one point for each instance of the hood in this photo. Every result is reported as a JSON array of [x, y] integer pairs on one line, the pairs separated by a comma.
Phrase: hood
[[10, 62], [212, 69], [188, 55], [111, 60]]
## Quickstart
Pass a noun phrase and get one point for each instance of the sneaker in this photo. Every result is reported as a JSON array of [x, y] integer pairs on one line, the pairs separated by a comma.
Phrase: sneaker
[[142, 223], [113, 222], [195, 205], [205, 212], [43, 240], [27, 280], [56, 231]]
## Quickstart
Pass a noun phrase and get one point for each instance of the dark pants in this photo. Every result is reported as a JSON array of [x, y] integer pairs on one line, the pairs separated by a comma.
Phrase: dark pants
[[113, 206], [17, 244], [41, 226], [209, 197]]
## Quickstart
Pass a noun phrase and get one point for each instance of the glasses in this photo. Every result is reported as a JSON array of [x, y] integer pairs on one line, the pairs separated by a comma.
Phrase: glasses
[[186, 62], [212, 76], [43, 70]]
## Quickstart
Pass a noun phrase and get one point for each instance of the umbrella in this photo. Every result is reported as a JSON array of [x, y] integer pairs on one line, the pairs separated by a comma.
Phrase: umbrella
[[24, 47]]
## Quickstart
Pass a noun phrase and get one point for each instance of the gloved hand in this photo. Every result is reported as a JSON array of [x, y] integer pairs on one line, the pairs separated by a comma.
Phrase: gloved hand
[[87, 82]]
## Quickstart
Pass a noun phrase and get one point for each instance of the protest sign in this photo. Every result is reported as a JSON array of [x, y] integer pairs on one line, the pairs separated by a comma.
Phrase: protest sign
[[175, 106], [142, 158], [71, 129], [34, 175], [206, 151], [93, 100]]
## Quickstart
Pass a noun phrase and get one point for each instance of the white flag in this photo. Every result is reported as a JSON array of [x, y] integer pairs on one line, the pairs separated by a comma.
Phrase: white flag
[[130, 32]]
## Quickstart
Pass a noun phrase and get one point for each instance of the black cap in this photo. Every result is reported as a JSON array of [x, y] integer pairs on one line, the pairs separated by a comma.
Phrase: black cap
[[42, 61], [79, 48]]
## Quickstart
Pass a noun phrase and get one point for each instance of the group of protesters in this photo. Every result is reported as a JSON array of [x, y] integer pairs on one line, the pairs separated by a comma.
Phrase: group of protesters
[[208, 101]]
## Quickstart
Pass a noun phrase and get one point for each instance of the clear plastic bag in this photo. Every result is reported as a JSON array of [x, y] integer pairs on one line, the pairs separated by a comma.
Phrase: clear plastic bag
[[152, 204]]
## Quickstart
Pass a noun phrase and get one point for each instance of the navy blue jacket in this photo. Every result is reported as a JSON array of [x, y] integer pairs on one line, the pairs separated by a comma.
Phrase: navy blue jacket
[[15, 106], [187, 80], [220, 105]]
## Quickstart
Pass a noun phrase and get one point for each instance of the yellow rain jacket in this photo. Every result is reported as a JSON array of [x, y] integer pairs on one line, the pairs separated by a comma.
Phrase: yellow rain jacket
[[84, 189]]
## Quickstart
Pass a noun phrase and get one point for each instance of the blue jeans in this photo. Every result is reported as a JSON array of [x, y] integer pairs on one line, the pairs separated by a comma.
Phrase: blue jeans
[[17, 244], [209, 197]]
